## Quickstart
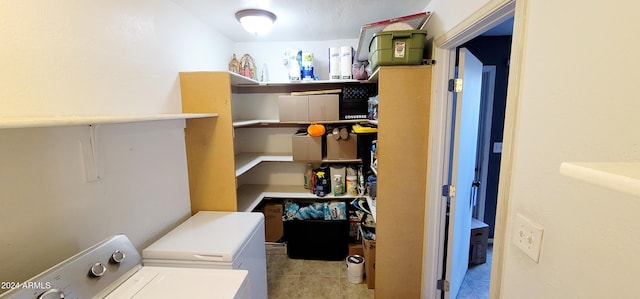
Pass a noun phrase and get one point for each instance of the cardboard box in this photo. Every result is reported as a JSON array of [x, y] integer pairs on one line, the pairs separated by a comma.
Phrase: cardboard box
[[342, 149], [306, 148], [356, 249], [369, 248], [274, 230], [324, 107], [293, 108]]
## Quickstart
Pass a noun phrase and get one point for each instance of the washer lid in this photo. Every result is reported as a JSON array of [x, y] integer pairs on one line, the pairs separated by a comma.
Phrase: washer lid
[[165, 282], [208, 237]]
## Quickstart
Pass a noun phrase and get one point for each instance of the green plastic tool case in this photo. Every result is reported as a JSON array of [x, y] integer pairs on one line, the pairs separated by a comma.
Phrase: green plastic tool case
[[403, 47]]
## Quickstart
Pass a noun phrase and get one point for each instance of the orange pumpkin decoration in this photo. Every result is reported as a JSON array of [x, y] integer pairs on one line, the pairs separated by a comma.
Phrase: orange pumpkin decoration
[[315, 130]]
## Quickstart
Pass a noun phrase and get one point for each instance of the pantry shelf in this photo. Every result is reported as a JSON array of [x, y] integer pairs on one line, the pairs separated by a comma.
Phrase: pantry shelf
[[619, 176], [254, 122], [249, 196], [75, 120], [246, 161], [275, 122]]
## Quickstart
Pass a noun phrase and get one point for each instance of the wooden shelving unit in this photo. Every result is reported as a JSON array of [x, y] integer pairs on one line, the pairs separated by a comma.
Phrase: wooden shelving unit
[[402, 150], [212, 174]]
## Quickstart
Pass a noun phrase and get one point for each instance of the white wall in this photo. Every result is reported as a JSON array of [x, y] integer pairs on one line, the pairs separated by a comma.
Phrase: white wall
[[93, 57], [573, 107]]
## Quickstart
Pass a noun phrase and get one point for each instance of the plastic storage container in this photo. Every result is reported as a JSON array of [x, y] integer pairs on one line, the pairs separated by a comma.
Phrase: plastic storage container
[[401, 47], [317, 239]]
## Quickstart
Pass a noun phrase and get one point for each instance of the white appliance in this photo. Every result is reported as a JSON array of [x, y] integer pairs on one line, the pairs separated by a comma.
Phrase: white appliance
[[112, 269], [219, 240]]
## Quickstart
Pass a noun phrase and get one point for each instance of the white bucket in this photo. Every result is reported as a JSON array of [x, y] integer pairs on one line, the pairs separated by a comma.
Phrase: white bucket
[[355, 268]]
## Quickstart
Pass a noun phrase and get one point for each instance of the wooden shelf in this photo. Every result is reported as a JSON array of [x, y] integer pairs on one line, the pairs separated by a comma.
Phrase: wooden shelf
[[246, 161], [619, 176], [246, 85], [249, 196], [76, 120], [254, 122], [275, 122], [239, 80]]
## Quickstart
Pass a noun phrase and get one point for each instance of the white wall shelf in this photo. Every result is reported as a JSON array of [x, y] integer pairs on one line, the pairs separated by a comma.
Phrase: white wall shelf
[[249, 196], [246, 161], [239, 80], [75, 120], [275, 122], [246, 85], [620, 176], [254, 122]]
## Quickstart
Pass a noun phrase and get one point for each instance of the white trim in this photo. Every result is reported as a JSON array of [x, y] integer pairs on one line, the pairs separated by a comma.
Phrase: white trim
[[440, 124], [508, 146], [491, 14], [488, 16]]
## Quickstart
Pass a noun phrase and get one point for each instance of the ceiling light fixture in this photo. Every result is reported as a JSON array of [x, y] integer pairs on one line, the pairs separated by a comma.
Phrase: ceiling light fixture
[[256, 21]]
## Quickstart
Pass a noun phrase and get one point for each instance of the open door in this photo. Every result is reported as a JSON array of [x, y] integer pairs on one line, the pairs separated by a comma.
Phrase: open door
[[463, 170]]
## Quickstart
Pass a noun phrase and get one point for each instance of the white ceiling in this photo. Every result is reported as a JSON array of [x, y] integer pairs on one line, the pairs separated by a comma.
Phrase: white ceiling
[[302, 20]]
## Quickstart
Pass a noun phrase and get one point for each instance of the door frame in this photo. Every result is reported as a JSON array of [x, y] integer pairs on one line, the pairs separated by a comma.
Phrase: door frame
[[488, 16]]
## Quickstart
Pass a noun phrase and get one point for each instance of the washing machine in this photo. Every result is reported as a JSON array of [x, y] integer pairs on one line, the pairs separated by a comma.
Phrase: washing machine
[[113, 269], [216, 240]]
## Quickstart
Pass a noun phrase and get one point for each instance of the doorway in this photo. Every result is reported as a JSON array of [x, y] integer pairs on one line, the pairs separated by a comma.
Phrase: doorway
[[493, 52], [485, 19]]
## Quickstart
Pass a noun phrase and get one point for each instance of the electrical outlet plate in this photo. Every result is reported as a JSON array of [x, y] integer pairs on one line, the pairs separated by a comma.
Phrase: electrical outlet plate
[[528, 237]]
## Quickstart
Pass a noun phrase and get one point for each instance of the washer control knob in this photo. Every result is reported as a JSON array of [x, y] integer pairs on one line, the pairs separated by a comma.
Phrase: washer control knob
[[51, 294], [97, 270], [117, 257]]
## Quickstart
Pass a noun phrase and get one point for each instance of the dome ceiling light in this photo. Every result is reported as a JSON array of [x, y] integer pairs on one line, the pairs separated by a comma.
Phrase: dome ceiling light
[[256, 21]]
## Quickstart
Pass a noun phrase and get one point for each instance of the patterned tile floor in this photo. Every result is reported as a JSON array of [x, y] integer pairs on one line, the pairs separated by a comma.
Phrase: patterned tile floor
[[291, 278], [476, 281]]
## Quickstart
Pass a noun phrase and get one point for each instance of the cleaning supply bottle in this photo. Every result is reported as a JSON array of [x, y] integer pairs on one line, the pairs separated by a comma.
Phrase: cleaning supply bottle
[[352, 188], [307, 176], [361, 184], [338, 187]]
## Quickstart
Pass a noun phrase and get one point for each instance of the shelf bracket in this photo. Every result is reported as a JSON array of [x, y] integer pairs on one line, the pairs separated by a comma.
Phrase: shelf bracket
[[90, 154]]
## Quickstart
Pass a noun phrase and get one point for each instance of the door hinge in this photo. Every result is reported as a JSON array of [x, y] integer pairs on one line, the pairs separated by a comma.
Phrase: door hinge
[[455, 85], [443, 285], [449, 190]]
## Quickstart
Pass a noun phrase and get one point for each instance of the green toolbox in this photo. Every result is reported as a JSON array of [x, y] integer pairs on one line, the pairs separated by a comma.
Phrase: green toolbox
[[397, 47]]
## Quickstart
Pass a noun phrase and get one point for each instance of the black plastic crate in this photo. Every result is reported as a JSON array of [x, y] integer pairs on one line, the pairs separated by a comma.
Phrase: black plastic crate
[[362, 91], [317, 239]]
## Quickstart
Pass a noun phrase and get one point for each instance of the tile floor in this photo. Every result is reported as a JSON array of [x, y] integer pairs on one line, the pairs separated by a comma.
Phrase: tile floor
[[292, 278], [476, 281]]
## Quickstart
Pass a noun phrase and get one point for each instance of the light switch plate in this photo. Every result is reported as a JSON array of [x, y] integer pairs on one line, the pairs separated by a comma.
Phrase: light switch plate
[[528, 237]]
